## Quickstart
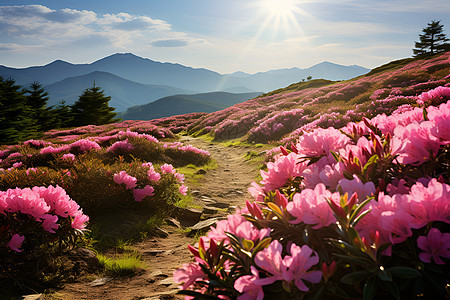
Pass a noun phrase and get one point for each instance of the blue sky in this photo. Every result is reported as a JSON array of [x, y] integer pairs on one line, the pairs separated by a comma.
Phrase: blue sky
[[224, 36]]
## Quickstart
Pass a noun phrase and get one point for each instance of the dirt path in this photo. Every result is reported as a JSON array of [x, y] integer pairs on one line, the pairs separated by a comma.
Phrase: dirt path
[[225, 185]]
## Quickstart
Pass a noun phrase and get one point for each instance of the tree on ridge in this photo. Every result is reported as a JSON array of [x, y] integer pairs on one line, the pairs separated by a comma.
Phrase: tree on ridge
[[432, 41]]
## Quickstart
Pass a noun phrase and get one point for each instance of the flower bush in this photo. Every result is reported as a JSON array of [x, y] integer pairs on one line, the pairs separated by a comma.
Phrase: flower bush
[[361, 212], [36, 226]]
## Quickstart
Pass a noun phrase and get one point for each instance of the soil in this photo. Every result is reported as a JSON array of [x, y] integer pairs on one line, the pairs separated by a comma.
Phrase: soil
[[228, 184]]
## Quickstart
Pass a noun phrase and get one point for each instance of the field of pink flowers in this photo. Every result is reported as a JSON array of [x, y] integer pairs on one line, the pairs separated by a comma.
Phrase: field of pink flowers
[[361, 212], [50, 189], [304, 105]]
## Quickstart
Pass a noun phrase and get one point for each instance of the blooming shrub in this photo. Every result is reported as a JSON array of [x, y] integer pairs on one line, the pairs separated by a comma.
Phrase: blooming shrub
[[362, 212], [37, 225]]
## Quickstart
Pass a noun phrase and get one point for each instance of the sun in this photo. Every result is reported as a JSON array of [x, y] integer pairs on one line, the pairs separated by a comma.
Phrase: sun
[[280, 8]]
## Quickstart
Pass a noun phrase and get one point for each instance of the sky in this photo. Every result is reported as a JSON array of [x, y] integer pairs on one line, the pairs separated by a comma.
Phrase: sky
[[223, 36]]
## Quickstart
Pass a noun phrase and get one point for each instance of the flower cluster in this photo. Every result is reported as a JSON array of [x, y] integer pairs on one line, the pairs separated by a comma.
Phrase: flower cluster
[[369, 204], [50, 208]]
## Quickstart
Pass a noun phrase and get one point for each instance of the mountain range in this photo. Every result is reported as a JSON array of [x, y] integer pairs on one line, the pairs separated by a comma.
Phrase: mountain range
[[132, 80]]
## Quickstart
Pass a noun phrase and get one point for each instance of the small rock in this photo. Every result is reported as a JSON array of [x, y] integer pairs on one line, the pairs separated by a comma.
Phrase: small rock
[[157, 273], [209, 210], [173, 222], [32, 297], [226, 170], [188, 216], [204, 224], [219, 205], [168, 281], [195, 193], [153, 252], [100, 281], [201, 172], [161, 232]]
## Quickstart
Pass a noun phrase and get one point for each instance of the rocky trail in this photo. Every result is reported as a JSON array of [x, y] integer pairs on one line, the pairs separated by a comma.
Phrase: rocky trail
[[219, 192]]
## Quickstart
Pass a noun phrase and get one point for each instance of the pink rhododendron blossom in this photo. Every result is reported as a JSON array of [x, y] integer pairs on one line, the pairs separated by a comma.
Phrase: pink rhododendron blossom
[[68, 157], [121, 147], [441, 125], [321, 141], [84, 145], [80, 222], [249, 287], [123, 177], [439, 92], [436, 245], [257, 192], [392, 219], [183, 190], [419, 143], [356, 185], [279, 172], [428, 204], [49, 223], [228, 225], [17, 165], [292, 268], [152, 175], [188, 274], [331, 174], [16, 242], [140, 194], [310, 206], [168, 168]]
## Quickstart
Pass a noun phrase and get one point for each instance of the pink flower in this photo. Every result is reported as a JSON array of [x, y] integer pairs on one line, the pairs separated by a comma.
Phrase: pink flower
[[435, 245], [140, 194], [168, 168], [320, 142], [419, 143], [280, 171], [68, 157], [183, 190], [179, 177], [123, 177], [16, 242], [248, 285], [356, 185], [80, 222], [188, 274], [310, 206], [121, 147], [49, 223], [428, 204], [17, 165], [292, 268]]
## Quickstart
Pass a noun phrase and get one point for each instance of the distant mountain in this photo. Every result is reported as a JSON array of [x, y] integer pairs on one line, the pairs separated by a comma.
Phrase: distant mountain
[[124, 93], [146, 71], [183, 104]]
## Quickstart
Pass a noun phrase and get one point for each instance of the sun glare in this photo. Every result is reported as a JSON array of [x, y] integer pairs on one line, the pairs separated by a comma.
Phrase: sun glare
[[280, 8]]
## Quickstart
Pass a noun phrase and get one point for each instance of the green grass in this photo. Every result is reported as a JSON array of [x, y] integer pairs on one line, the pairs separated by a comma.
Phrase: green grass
[[126, 264]]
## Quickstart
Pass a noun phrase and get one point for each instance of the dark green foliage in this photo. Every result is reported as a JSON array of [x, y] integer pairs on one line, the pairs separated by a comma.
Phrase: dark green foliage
[[37, 99], [92, 108], [432, 41], [16, 122]]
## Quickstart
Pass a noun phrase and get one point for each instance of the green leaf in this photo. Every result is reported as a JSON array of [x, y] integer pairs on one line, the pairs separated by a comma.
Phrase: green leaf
[[358, 218], [247, 244], [355, 277], [404, 272], [261, 245], [384, 274], [335, 155], [370, 288], [372, 160], [360, 208]]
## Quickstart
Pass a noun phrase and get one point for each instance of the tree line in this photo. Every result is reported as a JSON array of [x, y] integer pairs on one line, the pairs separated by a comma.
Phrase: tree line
[[24, 113]]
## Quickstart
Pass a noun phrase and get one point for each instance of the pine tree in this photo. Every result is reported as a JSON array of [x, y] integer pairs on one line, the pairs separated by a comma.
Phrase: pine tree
[[92, 108], [37, 99], [16, 123], [62, 115], [432, 41]]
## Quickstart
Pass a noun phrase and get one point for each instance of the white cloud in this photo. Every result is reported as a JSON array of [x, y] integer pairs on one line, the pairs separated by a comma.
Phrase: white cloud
[[37, 25]]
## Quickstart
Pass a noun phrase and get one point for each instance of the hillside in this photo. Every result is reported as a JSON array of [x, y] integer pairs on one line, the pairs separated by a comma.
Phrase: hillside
[[183, 104], [282, 115], [124, 93]]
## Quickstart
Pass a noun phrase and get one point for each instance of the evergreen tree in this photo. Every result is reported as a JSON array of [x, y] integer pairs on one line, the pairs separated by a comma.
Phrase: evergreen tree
[[92, 108], [37, 99], [62, 115], [432, 41], [16, 123]]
